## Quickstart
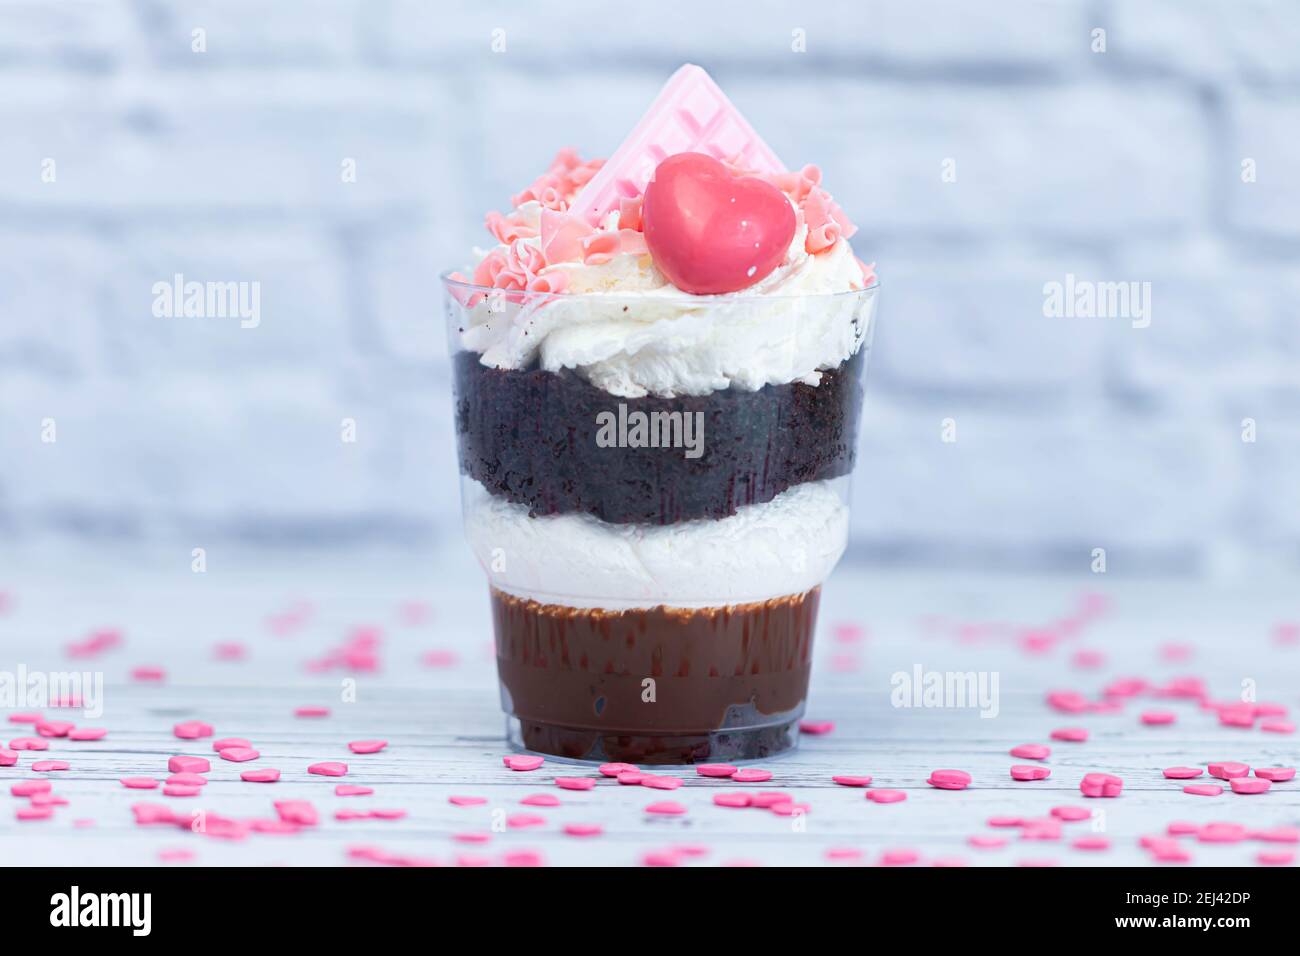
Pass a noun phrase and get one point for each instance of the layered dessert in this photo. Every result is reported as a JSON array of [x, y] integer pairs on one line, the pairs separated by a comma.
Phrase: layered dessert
[[658, 372]]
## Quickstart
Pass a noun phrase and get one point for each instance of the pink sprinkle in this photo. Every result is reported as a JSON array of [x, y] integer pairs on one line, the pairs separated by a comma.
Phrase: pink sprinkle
[[901, 857], [1044, 828], [843, 853], [1282, 834], [25, 788], [192, 730], [1275, 858], [1182, 773], [715, 769], [848, 780], [1182, 828], [34, 813], [583, 829], [1100, 785], [87, 733], [520, 821], [1126, 687], [180, 790], [667, 807], [1022, 771], [766, 799], [541, 800], [1071, 814], [1091, 843], [1221, 833], [387, 813], [7, 757], [789, 809], [886, 796], [328, 768], [1278, 726], [25, 718], [367, 746], [188, 779], [732, 799], [353, 790], [1088, 658], [300, 812], [1071, 734], [949, 779], [816, 727], [139, 783], [1157, 718], [467, 801], [183, 764], [575, 783], [751, 775], [1237, 715], [1226, 770], [311, 711], [54, 728], [1032, 751], [28, 743], [522, 858], [614, 769], [1275, 774], [175, 855], [148, 672], [986, 842], [522, 762], [439, 658], [1203, 789], [662, 783], [229, 651], [260, 775], [471, 837], [1067, 701], [238, 754], [1250, 785], [229, 743], [632, 778], [661, 859], [1006, 821], [41, 766]]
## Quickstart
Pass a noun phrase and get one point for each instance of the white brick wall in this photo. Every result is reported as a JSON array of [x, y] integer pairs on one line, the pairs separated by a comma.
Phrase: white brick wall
[[225, 165]]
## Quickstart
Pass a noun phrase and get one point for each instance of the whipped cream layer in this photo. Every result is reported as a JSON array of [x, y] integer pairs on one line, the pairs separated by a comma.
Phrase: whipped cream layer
[[623, 327], [785, 546]]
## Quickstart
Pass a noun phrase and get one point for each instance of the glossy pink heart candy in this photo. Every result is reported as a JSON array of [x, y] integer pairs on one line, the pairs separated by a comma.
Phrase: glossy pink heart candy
[[711, 232]]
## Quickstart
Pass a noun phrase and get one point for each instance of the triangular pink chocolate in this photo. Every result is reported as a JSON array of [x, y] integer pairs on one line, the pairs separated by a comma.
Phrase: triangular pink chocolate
[[691, 114]]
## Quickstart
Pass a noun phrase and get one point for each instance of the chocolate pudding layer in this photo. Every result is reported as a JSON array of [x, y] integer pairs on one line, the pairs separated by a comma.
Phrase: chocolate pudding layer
[[535, 438], [655, 685]]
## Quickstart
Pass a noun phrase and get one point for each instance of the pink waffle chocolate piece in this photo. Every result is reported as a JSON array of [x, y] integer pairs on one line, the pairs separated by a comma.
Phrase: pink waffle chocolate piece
[[691, 114]]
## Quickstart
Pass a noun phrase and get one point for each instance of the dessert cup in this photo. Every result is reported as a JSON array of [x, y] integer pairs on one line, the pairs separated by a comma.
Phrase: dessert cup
[[656, 513]]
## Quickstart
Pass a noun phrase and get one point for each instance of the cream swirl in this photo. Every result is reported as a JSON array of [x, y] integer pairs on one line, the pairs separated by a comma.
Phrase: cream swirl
[[627, 330]]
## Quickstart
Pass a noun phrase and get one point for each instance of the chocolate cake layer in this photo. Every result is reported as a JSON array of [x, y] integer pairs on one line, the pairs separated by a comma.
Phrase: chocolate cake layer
[[657, 685], [535, 438]]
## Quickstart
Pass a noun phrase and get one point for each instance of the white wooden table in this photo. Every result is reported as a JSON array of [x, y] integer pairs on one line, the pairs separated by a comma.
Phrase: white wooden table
[[445, 730]]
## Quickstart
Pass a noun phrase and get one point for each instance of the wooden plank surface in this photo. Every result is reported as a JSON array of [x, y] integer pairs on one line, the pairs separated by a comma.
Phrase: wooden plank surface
[[445, 730]]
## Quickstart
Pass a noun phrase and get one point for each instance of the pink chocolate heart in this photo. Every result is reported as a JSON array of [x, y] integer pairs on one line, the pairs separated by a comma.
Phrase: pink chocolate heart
[[711, 232]]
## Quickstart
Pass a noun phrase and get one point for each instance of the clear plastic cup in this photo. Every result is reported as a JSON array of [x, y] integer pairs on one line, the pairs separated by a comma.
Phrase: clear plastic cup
[[655, 563]]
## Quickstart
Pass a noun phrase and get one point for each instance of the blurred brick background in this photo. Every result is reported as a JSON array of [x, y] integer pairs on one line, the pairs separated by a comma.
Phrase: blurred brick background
[[226, 165]]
